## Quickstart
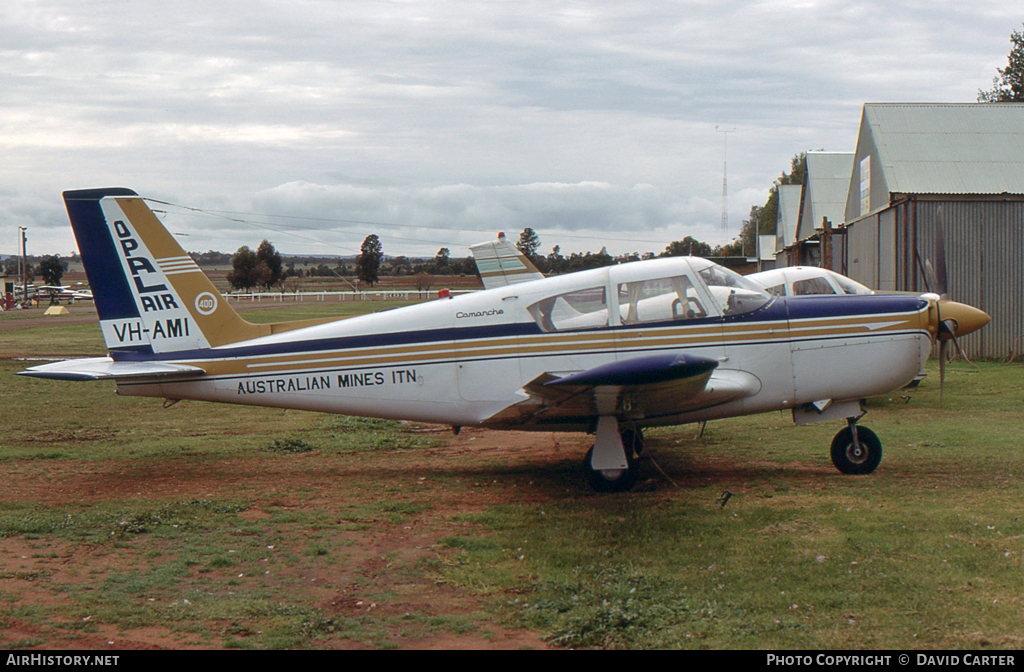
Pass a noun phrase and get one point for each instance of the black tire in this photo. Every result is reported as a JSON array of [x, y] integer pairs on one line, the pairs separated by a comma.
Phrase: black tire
[[611, 480], [846, 457], [633, 442]]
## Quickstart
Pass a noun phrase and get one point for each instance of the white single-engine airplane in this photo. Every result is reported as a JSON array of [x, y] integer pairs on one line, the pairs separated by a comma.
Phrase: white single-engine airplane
[[608, 351], [57, 292], [806, 281]]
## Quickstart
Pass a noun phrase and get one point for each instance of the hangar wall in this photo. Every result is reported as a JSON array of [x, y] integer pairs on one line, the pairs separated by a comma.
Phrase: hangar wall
[[984, 245]]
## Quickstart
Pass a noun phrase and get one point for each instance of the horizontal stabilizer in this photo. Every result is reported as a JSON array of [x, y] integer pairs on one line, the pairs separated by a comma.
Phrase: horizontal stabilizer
[[105, 368], [500, 263]]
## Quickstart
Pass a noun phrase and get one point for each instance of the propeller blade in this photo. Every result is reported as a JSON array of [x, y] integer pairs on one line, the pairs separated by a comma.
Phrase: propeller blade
[[930, 281], [947, 332], [962, 353], [941, 286]]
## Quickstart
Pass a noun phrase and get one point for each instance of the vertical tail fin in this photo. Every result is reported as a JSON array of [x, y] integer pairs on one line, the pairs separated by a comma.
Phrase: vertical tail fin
[[150, 295]]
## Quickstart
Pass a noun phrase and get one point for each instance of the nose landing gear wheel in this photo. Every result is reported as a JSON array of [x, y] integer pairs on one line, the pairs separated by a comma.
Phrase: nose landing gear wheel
[[860, 457]]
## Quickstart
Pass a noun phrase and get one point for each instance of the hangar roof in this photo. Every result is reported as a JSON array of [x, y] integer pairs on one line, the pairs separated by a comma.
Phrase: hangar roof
[[935, 148], [970, 148], [828, 181]]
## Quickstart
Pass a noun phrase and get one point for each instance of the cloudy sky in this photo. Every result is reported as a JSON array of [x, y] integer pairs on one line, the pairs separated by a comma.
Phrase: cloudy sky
[[315, 122]]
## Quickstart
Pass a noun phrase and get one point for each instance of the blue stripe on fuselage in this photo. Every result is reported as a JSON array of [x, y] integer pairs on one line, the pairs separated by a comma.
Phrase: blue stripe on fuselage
[[347, 343], [810, 307]]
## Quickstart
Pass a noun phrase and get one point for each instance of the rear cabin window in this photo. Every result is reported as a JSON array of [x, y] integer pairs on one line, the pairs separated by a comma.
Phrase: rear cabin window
[[659, 299], [582, 309], [851, 287], [812, 286]]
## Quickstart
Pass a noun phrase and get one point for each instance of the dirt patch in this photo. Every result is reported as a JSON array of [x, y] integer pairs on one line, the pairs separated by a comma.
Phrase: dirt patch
[[382, 514], [64, 435], [34, 317]]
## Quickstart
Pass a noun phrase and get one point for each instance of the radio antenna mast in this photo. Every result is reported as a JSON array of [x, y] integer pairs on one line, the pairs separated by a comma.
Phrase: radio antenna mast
[[725, 184]]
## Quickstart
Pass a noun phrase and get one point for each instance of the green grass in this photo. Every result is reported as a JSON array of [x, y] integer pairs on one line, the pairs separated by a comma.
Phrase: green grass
[[926, 552], [57, 342]]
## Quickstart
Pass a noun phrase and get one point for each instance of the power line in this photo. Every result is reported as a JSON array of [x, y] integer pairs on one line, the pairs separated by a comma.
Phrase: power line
[[241, 217]]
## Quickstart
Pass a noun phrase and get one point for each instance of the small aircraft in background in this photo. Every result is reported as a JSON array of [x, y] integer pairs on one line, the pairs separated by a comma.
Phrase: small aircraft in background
[[814, 281], [26, 291], [807, 281], [610, 351], [63, 292]]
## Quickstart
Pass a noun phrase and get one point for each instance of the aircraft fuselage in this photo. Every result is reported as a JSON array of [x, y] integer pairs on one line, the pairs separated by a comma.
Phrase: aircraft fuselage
[[466, 360]]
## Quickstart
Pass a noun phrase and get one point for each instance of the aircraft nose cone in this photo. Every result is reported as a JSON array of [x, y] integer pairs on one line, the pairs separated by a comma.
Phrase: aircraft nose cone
[[967, 318]]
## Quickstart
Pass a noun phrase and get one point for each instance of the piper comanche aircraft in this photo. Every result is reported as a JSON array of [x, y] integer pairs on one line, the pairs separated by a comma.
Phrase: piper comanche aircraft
[[609, 351]]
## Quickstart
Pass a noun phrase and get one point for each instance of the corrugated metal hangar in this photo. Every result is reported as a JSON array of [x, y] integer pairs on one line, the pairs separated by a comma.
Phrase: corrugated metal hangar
[[920, 168]]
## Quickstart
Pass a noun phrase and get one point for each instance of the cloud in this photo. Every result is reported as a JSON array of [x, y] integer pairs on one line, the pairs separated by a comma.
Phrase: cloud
[[543, 114], [303, 216]]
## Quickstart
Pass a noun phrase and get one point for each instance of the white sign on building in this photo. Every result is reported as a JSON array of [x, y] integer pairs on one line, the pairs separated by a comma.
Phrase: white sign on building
[[865, 185]]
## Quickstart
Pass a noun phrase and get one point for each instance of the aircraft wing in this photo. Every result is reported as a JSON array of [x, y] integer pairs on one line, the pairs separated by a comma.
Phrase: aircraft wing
[[105, 368], [632, 389]]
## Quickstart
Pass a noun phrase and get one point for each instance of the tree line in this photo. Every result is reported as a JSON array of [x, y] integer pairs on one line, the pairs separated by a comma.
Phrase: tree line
[[555, 263], [51, 267], [266, 268]]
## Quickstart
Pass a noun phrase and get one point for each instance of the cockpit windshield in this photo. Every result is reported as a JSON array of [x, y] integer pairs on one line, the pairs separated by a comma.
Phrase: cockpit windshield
[[733, 293]]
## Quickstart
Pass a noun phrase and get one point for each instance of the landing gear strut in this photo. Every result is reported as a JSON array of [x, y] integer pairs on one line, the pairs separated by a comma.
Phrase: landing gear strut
[[610, 480], [633, 441], [856, 450], [611, 462]]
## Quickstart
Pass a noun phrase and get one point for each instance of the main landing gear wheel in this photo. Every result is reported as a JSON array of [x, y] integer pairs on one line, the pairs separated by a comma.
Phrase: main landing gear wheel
[[860, 457], [611, 480]]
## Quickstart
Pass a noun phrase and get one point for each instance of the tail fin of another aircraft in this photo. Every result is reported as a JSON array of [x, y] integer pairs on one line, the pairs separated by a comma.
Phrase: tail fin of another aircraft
[[501, 264], [150, 295]]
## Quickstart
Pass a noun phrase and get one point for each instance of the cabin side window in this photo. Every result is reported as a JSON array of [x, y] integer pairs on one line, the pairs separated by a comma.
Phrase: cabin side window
[[659, 299], [581, 309], [812, 286]]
